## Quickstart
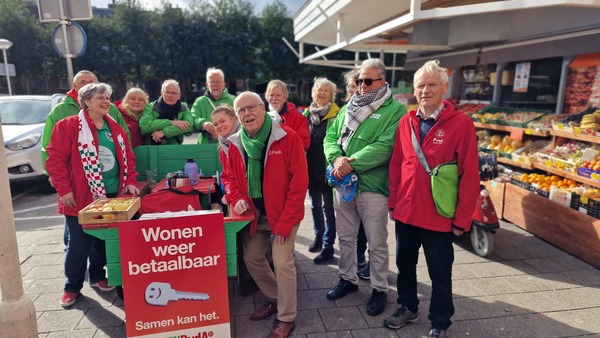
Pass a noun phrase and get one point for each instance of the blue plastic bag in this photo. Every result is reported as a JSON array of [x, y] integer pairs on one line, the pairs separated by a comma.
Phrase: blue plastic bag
[[348, 182]]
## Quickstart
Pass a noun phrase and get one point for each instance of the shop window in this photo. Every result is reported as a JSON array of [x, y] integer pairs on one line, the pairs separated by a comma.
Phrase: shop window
[[535, 84]]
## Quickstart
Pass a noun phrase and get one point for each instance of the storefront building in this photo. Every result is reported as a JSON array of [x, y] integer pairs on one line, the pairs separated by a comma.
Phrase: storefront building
[[534, 58]]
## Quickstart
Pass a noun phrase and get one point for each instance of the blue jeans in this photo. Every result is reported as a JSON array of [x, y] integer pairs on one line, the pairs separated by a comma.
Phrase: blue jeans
[[322, 202], [80, 247], [439, 255]]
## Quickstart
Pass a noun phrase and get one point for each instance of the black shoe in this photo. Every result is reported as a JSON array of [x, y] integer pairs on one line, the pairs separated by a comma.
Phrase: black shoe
[[316, 245], [364, 272], [377, 303], [343, 288], [324, 256]]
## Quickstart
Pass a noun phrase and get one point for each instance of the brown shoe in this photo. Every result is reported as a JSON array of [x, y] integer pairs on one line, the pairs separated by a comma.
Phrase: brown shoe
[[265, 311], [282, 329]]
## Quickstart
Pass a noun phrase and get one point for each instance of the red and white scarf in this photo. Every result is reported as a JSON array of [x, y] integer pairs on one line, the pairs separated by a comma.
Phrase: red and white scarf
[[91, 160]]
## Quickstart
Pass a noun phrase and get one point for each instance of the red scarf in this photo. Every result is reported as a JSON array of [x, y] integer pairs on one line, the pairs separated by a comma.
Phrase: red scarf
[[73, 94]]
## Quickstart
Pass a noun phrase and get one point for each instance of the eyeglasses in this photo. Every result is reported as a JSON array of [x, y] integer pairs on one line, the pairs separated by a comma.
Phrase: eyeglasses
[[101, 98], [248, 109], [367, 82], [168, 92], [215, 82]]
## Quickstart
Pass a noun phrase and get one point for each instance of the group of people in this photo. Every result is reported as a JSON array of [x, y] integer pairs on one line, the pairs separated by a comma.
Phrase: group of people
[[271, 158], [370, 137]]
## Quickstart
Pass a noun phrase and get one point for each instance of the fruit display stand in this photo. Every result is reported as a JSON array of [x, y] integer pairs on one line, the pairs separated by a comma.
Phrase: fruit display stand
[[571, 230], [109, 232]]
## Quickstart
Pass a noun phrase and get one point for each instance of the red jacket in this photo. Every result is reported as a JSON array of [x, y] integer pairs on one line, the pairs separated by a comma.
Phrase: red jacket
[[298, 122], [451, 138], [137, 139], [225, 174], [285, 179], [64, 162]]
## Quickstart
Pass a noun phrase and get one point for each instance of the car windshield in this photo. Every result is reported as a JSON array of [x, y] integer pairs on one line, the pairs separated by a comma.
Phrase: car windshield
[[24, 112]]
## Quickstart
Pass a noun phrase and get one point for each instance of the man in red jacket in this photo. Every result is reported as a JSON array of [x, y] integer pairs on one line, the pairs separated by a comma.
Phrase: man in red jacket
[[444, 135], [269, 179], [277, 95]]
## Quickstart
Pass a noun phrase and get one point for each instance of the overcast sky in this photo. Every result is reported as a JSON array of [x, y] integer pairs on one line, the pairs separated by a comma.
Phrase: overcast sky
[[292, 5]]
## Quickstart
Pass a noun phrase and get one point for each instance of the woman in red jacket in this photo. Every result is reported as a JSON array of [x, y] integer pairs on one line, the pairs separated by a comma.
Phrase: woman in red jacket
[[89, 157], [131, 108], [226, 123]]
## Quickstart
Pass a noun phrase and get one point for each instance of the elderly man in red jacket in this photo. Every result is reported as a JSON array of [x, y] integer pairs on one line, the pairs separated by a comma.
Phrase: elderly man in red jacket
[[444, 135], [269, 180]]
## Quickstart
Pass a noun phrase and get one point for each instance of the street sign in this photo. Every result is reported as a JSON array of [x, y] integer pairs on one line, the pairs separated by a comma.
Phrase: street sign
[[76, 39], [11, 70], [50, 10]]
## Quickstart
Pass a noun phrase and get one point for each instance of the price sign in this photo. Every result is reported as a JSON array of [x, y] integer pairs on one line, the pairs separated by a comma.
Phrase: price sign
[[516, 134]]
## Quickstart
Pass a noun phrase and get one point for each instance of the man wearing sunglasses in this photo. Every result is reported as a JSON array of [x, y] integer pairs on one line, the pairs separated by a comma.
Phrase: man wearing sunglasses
[[361, 141]]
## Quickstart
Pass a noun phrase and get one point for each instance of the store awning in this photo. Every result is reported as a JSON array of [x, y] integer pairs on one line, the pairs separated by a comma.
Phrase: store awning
[[429, 28]]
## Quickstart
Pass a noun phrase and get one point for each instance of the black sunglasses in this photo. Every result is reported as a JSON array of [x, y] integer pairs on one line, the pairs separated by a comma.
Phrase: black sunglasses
[[367, 82]]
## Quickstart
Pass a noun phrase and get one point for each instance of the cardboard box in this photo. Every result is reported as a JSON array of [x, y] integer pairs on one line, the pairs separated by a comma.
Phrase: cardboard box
[[508, 78]]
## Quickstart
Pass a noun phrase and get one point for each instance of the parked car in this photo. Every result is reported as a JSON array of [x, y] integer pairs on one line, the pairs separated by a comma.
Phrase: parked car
[[23, 118]]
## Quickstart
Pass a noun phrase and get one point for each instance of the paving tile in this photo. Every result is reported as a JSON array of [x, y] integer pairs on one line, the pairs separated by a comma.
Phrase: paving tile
[[86, 333], [545, 264], [342, 318], [528, 283], [325, 280], [336, 334], [494, 286], [535, 302], [313, 299], [308, 322], [48, 302], [546, 326], [378, 332], [40, 285], [505, 327], [61, 320], [99, 317], [557, 280], [587, 277], [111, 332], [575, 298], [47, 271]]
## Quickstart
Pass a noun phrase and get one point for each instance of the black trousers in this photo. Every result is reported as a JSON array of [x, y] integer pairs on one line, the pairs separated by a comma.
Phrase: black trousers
[[439, 255]]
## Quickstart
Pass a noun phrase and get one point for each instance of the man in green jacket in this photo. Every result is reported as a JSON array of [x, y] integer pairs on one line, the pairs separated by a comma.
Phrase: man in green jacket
[[70, 107], [361, 141], [166, 120], [215, 95]]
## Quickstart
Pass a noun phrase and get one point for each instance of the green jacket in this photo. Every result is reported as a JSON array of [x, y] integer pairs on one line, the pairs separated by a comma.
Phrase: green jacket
[[371, 145], [70, 107], [202, 110], [149, 123]]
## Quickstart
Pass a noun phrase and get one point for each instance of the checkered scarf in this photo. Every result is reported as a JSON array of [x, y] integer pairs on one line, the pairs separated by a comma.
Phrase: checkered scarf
[[90, 159], [358, 109]]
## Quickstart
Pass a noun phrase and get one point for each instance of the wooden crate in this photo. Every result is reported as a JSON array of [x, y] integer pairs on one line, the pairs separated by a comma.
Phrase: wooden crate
[[568, 229], [86, 216], [496, 189]]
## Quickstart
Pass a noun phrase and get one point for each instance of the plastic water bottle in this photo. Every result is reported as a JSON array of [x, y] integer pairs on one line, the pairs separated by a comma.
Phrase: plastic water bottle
[[191, 169]]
